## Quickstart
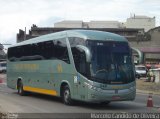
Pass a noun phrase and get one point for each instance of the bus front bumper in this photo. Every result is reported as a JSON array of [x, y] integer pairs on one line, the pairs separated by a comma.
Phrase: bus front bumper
[[98, 96]]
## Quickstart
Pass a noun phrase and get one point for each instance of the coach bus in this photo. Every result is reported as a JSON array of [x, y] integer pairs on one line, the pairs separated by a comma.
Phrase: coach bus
[[85, 65]]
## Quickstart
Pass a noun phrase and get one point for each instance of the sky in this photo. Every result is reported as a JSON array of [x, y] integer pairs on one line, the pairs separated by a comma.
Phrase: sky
[[18, 14]]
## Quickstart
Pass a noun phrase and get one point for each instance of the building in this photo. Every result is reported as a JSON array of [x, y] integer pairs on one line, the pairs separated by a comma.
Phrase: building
[[135, 21], [2, 53], [133, 35], [91, 24], [69, 24], [135, 29], [130, 34], [150, 48], [140, 22]]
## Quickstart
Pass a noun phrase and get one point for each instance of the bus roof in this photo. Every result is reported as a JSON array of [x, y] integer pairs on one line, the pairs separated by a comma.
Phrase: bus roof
[[85, 34]]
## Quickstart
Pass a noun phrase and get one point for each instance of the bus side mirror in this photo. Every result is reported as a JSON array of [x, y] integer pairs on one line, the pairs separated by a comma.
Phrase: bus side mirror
[[87, 52]]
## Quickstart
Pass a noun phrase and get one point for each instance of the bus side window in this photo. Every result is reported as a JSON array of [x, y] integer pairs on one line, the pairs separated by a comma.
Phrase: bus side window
[[10, 54], [76, 41], [13, 54], [61, 51], [49, 50], [78, 56], [79, 60]]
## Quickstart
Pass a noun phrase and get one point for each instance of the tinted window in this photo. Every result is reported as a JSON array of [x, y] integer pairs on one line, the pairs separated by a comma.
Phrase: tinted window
[[79, 60], [76, 41], [3, 64], [60, 50], [140, 68], [78, 56], [47, 50]]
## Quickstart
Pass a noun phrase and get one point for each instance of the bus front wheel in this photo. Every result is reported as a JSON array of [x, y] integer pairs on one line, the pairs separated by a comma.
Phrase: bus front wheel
[[20, 88], [105, 103], [67, 96]]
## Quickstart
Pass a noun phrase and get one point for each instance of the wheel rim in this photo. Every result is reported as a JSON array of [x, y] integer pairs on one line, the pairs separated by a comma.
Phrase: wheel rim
[[66, 95]]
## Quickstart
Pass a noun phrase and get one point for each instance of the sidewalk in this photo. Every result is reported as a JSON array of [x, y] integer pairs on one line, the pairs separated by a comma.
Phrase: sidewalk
[[147, 92], [3, 114], [142, 86]]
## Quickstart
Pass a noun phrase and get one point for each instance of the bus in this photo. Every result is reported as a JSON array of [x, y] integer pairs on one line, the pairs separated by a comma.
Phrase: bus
[[84, 65]]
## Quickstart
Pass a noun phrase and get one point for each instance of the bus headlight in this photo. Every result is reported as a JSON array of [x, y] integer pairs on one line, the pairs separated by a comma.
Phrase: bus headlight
[[92, 87]]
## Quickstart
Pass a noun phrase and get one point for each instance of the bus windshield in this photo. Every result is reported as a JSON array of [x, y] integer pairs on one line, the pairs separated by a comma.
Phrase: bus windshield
[[111, 62]]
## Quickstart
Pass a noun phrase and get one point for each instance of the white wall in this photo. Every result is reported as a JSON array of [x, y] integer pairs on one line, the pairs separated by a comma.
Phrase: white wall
[[140, 22], [68, 24]]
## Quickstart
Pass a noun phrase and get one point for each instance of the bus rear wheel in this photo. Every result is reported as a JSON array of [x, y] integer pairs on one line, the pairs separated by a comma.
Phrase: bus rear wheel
[[20, 88], [66, 96]]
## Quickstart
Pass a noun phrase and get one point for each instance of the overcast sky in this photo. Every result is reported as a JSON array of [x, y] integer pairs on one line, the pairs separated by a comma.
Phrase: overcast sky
[[18, 14]]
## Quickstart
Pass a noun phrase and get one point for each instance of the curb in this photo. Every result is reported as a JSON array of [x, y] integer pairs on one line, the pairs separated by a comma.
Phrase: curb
[[3, 113]]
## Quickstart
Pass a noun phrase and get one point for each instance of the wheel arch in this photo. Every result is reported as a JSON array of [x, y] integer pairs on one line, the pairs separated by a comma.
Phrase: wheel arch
[[64, 83]]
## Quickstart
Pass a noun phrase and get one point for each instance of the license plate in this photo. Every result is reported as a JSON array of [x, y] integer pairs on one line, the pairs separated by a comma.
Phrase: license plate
[[116, 98]]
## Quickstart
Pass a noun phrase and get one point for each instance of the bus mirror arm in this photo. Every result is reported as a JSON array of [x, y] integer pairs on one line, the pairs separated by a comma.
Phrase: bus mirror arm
[[87, 52]]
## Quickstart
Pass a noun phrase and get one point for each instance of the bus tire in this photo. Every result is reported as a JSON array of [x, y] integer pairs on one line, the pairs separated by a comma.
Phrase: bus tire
[[105, 103], [66, 96], [20, 88]]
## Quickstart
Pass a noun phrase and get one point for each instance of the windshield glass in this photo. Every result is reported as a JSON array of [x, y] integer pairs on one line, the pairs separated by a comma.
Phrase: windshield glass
[[140, 68], [111, 62], [3, 64]]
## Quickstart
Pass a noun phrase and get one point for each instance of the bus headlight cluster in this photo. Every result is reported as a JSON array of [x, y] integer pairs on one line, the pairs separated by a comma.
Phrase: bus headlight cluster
[[92, 87]]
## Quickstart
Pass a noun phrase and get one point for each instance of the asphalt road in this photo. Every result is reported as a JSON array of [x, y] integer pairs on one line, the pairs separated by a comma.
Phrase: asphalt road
[[11, 102]]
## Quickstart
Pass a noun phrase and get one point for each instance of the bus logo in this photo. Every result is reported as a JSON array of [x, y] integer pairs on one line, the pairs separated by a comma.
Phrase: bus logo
[[116, 91], [59, 68]]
